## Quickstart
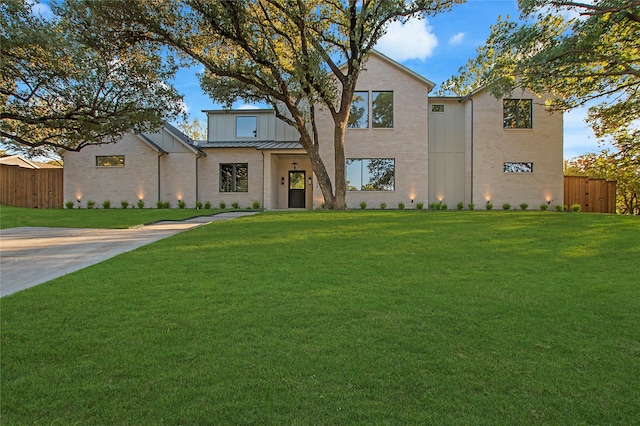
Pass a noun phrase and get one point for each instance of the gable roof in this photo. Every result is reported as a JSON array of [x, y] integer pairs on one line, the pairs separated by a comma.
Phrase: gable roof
[[177, 135]]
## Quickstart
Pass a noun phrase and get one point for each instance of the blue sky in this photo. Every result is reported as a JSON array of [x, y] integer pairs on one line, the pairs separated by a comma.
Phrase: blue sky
[[434, 48]]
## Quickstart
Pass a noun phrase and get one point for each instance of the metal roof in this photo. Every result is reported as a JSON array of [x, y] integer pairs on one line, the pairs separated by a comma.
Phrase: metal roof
[[261, 145]]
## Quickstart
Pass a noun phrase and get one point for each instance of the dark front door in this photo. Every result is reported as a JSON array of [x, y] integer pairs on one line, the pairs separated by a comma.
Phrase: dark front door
[[296, 189]]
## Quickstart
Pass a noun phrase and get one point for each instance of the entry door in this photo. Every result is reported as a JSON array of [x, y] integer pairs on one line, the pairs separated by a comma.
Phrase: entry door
[[297, 189]]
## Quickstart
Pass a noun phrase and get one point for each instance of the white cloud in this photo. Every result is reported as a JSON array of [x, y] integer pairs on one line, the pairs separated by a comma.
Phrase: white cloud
[[413, 40], [42, 10], [456, 39]]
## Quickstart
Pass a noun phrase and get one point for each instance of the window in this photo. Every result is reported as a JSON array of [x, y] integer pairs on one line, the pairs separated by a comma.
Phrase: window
[[518, 167], [246, 127], [382, 110], [110, 160], [517, 113], [359, 114], [234, 177], [437, 108], [370, 174]]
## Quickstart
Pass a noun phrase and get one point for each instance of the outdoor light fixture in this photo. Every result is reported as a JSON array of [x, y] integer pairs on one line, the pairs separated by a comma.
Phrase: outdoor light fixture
[[78, 200], [412, 200], [310, 181], [282, 181], [294, 166]]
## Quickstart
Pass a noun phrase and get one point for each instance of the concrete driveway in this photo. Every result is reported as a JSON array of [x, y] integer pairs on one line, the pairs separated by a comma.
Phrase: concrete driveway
[[30, 256]]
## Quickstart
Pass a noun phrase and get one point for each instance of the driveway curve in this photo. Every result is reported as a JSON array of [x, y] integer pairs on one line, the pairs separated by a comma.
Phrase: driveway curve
[[31, 255]]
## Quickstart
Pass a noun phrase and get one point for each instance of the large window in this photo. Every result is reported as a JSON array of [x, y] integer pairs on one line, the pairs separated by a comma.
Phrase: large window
[[246, 127], [382, 109], [370, 174], [234, 177], [518, 167], [110, 160], [518, 113], [359, 114]]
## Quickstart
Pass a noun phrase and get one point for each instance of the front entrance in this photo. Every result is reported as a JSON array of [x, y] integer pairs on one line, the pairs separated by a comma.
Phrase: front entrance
[[297, 189]]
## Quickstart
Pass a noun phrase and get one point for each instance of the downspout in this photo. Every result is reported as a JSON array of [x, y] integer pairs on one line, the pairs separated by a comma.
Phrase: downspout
[[472, 125], [197, 158], [160, 155], [263, 180]]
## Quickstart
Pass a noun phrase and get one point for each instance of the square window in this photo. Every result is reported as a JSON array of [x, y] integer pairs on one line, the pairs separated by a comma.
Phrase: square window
[[110, 160], [517, 113], [382, 110], [247, 127], [359, 114], [234, 177]]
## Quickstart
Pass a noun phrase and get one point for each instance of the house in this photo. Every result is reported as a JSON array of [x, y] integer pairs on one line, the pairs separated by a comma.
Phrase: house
[[18, 160], [401, 146]]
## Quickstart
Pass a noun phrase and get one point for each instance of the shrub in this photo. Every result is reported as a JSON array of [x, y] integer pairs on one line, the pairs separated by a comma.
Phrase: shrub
[[90, 204], [524, 206], [383, 206], [576, 207], [460, 205], [401, 205], [106, 204], [256, 205], [207, 205], [420, 206], [363, 205], [69, 204], [559, 208], [489, 205], [471, 206], [140, 203], [444, 206], [181, 204], [163, 204], [124, 204], [506, 206], [198, 204], [235, 205], [223, 205], [544, 206]]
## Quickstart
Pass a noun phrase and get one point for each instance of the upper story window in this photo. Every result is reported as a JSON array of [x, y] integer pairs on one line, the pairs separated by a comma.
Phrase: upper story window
[[518, 113], [371, 174], [110, 160], [437, 108], [246, 127], [377, 114]]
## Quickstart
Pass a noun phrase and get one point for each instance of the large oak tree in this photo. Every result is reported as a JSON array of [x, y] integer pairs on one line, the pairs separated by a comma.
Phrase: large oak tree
[[294, 55]]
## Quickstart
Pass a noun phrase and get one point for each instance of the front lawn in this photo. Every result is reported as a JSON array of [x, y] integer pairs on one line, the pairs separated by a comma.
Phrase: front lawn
[[366, 318]]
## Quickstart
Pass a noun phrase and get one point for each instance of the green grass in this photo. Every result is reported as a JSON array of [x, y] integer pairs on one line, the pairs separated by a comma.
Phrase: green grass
[[11, 217], [340, 318]]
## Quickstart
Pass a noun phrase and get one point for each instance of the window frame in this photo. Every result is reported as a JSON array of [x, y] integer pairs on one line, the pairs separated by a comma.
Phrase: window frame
[[437, 108], [514, 122], [362, 184], [511, 167], [108, 164], [373, 96], [255, 132], [235, 182], [366, 116]]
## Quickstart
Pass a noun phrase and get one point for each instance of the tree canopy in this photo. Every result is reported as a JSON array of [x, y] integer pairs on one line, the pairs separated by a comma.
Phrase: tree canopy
[[64, 86], [579, 51], [292, 55]]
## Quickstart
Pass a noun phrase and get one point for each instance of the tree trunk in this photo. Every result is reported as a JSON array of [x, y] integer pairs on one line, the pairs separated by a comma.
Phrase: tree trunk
[[340, 165]]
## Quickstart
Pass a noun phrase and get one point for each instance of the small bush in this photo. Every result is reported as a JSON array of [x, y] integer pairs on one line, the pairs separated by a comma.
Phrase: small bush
[[198, 204], [363, 205], [420, 206], [401, 205], [559, 208], [140, 203], [461, 206], [91, 204], [383, 206], [256, 205], [163, 204], [524, 206], [106, 204], [544, 206], [471, 206], [235, 205], [207, 205], [576, 207], [444, 206], [181, 204], [69, 204], [124, 204], [506, 206], [223, 205], [489, 205]]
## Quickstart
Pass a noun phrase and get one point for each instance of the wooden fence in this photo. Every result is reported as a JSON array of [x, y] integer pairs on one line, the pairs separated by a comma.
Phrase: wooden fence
[[593, 195], [33, 188]]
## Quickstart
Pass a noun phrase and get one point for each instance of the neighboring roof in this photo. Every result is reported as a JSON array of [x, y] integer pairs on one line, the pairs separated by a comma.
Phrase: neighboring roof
[[235, 111], [260, 145], [17, 160]]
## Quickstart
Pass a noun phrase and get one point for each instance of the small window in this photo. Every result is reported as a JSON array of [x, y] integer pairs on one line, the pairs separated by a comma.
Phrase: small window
[[110, 160], [517, 113], [359, 114], [518, 167], [234, 177], [437, 108], [382, 110], [246, 127], [370, 174]]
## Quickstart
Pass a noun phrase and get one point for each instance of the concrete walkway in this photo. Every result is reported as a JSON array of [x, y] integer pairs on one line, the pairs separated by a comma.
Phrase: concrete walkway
[[30, 255]]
